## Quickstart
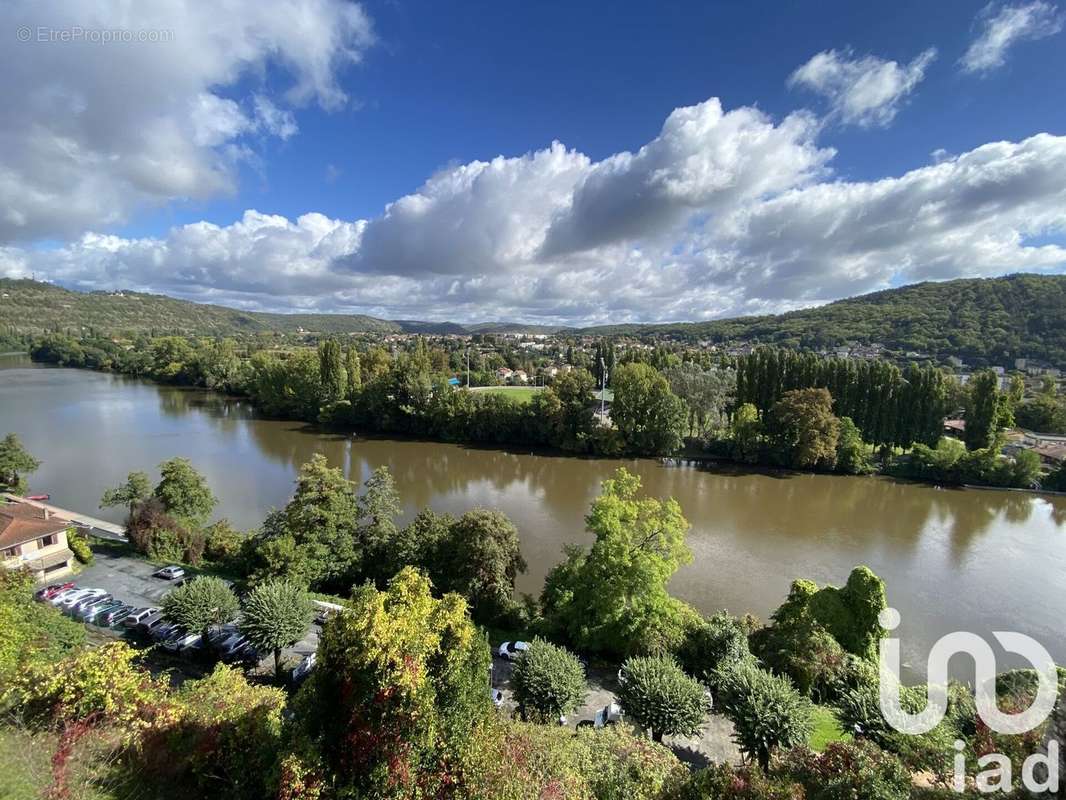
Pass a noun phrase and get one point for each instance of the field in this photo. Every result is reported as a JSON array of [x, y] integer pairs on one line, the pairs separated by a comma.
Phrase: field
[[520, 394]]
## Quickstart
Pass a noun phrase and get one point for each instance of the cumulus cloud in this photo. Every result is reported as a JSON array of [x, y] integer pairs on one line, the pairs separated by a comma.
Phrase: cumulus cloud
[[485, 240], [93, 130], [1003, 28], [865, 91]]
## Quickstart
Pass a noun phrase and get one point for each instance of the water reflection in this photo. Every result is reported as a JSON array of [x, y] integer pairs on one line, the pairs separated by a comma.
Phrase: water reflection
[[953, 559]]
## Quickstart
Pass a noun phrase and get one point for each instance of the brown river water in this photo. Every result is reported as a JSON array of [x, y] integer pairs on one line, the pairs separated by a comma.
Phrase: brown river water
[[952, 559]]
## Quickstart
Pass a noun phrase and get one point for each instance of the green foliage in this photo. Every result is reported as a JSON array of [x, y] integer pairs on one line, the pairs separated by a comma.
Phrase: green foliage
[[548, 681], [660, 697], [766, 710], [92, 684], [200, 604], [480, 559], [706, 393], [1056, 481], [14, 462], [613, 598], [950, 463], [803, 428], [184, 491], [275, 615], [844, 771], [717, 643], [397, 692], [221, 738], [746, 431], [649, 416], [79, 546], [223, 544], [523, 761], [331, 372], [983, 413], [852, 456], [31, 631], [130, 494], [314, 538]]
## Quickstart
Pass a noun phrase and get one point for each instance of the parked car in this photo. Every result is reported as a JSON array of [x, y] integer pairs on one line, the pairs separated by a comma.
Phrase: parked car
[[512, 651], [164, 631], [138, 615], [77, 596], [89, 613], [608, 715], [232, 648], [59, 597], [113, 616], [75, 606], [497, 697], [48, 592], [219, 635], [181, 640], [303, 669], [169, 573], [151, 622]]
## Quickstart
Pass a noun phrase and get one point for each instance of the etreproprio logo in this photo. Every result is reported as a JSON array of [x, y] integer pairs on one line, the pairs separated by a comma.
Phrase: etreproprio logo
[[998, 777]]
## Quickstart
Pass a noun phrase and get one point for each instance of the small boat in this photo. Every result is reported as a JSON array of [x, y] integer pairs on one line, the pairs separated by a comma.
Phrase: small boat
[[39, 497]]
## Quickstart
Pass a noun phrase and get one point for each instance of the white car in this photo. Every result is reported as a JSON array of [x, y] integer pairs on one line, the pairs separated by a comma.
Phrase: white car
[[303, 669], [169, 573], [79, 596], [61, 596], [512, 651], [608, 715], [138, 615]]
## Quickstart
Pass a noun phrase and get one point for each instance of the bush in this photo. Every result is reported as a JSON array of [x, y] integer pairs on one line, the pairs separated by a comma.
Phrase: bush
[[726, 782], [79, 547], [659, 696], [848, 771], [222, 543], [30, 631], [715, 643], [766, 710], [549, 682]]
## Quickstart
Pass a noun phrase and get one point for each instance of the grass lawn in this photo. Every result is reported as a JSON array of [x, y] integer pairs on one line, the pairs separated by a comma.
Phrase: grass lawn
[[520, 394], [826, 729]]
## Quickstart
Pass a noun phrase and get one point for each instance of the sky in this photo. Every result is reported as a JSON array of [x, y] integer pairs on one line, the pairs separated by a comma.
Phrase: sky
[[555, 163]]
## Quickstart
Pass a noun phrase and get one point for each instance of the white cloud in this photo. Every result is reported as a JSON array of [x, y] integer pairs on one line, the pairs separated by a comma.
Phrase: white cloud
[[865, 91], [93, 130], [746, 236], [1002, 29]]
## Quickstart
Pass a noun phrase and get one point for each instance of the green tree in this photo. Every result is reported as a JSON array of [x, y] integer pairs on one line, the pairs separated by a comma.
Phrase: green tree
[[130, 494], [852, 456], [766, 711], [548, 681], [746, 432], [983, 413], [649, 416], [331, 371], [184, 491], [200, 604], [399, 686], [613, 598], [314, 538], [717, 643], [657, 694], [803, 427], [379, 508], [14, 461], [275, 615], [353, 373], [480, 558]]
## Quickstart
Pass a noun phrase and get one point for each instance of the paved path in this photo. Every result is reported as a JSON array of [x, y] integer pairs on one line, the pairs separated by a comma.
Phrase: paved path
[[108, 530]]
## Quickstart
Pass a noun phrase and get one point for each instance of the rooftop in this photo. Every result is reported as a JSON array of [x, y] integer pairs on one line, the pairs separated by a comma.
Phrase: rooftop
[[21, 523]]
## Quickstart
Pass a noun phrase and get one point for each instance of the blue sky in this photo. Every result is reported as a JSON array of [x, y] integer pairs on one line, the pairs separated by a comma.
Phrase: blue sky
[[429, 89]]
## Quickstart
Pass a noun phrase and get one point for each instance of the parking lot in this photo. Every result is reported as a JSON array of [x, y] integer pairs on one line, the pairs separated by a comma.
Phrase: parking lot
[[131, 581], [714, 744]]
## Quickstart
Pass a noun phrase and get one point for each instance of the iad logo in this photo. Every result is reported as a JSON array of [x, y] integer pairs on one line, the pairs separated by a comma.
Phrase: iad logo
[[984, 659]]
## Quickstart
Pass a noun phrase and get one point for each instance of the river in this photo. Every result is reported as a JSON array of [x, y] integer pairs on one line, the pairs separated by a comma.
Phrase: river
[[952, 559]]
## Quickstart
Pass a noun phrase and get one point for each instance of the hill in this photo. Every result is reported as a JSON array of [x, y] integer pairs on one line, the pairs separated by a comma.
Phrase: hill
[[982, 320]]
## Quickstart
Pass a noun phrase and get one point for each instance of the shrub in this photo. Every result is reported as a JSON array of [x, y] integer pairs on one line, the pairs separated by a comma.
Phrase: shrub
[[30, 630], [766, 710], [549, 682], [222, 542], [79, 547], [659, 696], [727, 782], [715, 643], [848, 771], [200, 604]]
